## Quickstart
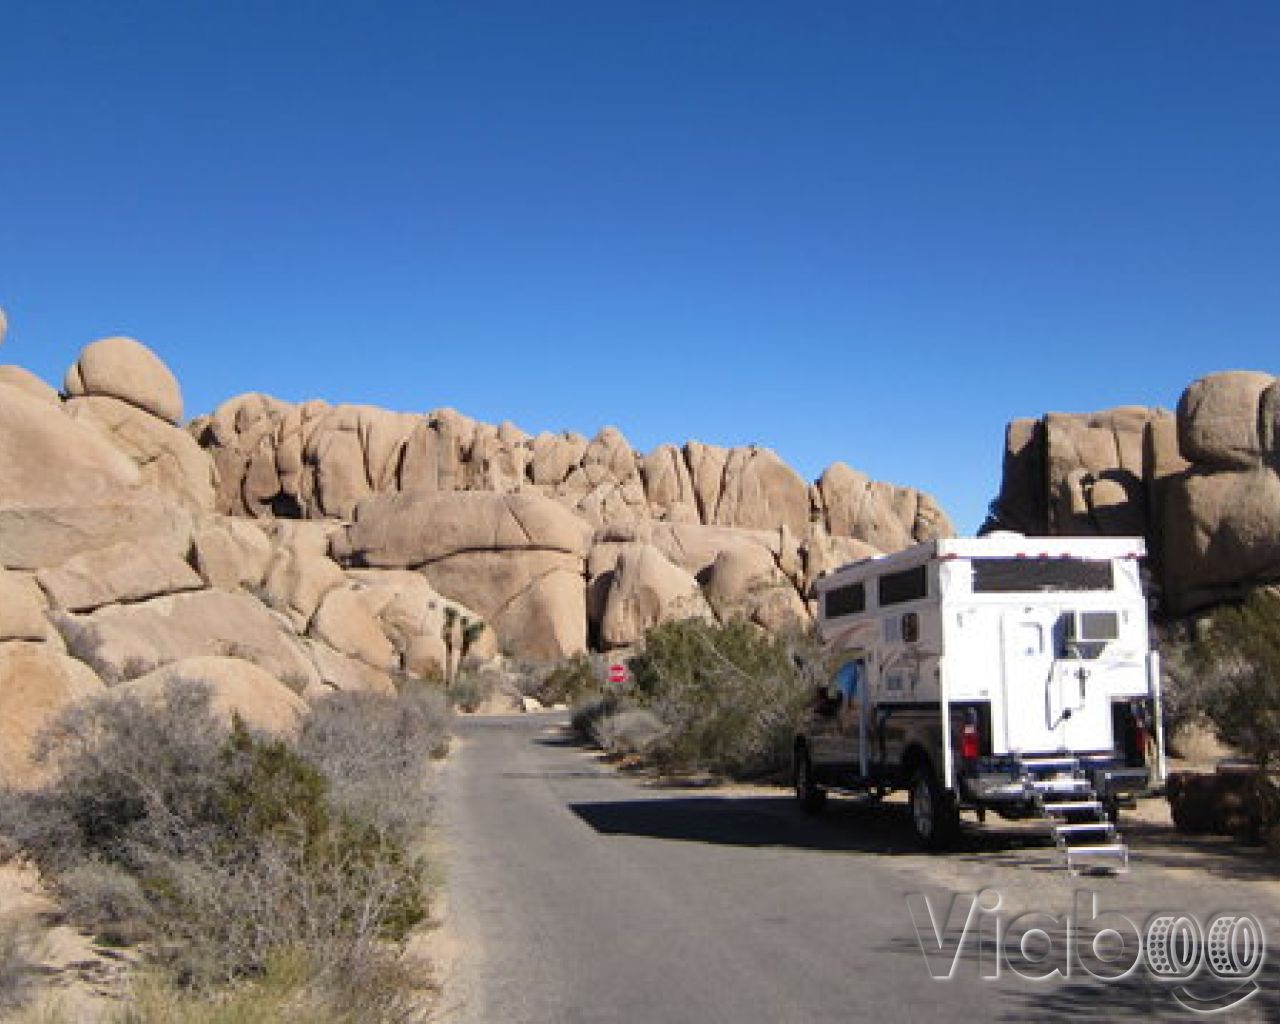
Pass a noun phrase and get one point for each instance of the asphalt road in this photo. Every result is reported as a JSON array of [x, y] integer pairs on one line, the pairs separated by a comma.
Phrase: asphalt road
[[580, 895]]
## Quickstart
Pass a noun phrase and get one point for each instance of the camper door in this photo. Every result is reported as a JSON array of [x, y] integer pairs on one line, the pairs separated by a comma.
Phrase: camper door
[[1051, 702]]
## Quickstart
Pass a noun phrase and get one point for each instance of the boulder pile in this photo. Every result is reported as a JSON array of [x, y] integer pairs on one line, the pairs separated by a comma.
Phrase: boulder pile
[[314, 461], [118, 574], [1201, 484], [560, 542], [279, 552]]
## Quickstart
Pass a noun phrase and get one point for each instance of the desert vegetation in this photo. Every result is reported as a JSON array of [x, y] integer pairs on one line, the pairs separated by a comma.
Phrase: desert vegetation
[[1222, 671], [279, 876], [19, 971], [722, 698], [1223, 676]]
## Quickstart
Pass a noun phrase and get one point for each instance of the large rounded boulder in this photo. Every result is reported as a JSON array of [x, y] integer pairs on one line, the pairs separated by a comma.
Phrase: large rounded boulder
[[1222, 421], [36, 684], [126, 369], [516, 559], [237, 688]]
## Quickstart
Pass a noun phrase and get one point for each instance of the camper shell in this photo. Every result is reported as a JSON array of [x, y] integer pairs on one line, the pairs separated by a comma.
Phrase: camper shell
[[972, 670]]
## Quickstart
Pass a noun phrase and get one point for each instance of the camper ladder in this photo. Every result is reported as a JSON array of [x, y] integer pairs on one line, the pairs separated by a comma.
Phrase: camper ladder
[[1075, 816]]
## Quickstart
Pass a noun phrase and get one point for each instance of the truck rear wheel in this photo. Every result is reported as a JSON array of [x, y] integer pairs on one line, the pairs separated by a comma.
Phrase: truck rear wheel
[[812, 797], [934, 817]]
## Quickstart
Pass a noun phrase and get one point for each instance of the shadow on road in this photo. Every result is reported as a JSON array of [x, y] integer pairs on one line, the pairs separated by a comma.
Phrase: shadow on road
[[1081, 997], [763, 821], [1218, 856], [1142, 997], [559, 739]]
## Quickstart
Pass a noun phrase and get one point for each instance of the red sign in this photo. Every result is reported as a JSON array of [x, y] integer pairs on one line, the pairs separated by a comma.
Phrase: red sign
[[617, 674]]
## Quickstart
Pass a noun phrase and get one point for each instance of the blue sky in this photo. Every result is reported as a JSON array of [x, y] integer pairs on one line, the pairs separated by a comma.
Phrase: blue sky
[[847, 231]]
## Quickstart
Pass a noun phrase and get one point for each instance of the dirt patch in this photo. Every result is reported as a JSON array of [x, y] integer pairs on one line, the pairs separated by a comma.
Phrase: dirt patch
[[76, 978]]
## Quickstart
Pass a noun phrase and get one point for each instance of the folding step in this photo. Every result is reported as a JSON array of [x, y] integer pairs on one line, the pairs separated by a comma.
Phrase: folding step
[[1061, 786], [1035, 763], [1115, 855], [1061, 790], [1084, 826], [1071, 807]]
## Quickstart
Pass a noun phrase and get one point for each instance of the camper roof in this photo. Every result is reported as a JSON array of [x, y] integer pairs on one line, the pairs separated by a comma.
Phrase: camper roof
[[996, 546]]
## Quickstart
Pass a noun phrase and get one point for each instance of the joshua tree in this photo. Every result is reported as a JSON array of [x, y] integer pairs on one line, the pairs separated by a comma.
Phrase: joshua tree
[[459, 634]]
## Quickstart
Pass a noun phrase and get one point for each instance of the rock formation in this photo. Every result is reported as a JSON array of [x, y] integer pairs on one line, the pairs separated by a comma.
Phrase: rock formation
[[36, 683], [279, 551], [117, 572], [316, 461], [124, 369], [529, 530], [1200, 484], [236, 687]]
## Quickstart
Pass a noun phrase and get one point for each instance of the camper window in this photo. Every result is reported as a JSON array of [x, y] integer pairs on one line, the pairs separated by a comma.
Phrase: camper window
[[846, 600], [847, 680], [1040, 575], [1086, 634], [910, 628], [900, 587]]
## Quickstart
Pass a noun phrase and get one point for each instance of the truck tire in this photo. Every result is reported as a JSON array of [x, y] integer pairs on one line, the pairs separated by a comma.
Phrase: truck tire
[[812, 797], [934, 817]]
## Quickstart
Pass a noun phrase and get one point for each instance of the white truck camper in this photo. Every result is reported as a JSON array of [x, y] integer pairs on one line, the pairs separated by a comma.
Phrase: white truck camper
[[1002, 673]]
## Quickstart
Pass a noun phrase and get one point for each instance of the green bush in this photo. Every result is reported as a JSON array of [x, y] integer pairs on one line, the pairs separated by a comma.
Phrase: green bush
[[570, 682], [586, 713], [470, 690], [1181, 679], [1233, 676], [1239, 661], [731, 695]]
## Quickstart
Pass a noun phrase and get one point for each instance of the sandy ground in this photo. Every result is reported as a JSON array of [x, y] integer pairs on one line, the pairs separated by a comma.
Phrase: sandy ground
[[78, 980]]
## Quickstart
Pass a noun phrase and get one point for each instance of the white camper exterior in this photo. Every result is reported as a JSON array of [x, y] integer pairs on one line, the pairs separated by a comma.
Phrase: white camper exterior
[[970, 659]]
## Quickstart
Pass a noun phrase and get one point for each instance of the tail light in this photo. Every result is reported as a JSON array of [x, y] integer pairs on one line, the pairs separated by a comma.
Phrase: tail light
[[970, 740]]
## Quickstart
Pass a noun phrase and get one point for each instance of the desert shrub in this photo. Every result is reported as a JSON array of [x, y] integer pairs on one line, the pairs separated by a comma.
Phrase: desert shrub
[[283, 867], [1239, 657], [374, 751], [286, 993], [337, 894], [18, 968], [569, 682], [1184, 687], [105, 899], [630, 731], [126, 773], [730, 695], [585, 714], [279, 995], [470, 690], [238, 849], [1235, 665]]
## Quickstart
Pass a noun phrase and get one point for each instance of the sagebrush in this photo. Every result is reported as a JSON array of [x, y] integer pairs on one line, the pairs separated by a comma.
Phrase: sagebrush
[[372, 750], [570, 682], [228, 851], [729, 695]]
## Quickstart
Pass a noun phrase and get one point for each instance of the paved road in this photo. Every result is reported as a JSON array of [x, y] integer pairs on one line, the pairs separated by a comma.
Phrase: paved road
[[579, 895]]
